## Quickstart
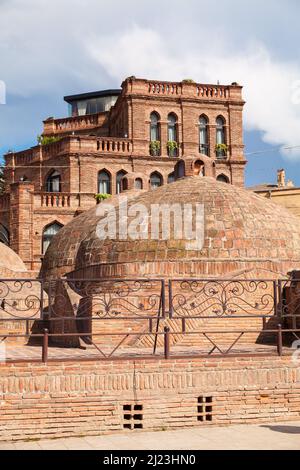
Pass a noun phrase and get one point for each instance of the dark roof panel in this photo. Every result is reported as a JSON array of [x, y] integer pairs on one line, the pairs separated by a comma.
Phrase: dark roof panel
[[93, 94]]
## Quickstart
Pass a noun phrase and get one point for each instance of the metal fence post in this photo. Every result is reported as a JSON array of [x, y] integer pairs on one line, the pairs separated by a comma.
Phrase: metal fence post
[[170, 299], [279, 340], [167, 342], [163, 299], [42, 300], [45, 346]]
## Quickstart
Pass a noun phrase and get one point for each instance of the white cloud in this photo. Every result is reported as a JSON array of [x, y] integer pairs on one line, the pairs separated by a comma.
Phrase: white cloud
[[272, 106], [48, 49]]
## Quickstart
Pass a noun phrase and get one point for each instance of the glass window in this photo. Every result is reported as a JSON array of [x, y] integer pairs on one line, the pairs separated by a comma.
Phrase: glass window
[[172, 131], [53, 183], [119, 177], [49, 233], [181, 169], [171, 178], [138, 184], [203, 135], [223, 179], [104, 184], [4, 235], [155, 180], [220, 130], [154, 127]]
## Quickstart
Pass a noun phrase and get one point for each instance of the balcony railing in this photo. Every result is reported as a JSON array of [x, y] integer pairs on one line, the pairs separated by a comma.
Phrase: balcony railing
[[72, 201], [74, 123], [72, 144], [186, 88]]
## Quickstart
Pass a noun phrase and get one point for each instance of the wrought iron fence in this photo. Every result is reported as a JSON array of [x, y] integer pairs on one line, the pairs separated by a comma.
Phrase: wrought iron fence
[[139, 318]]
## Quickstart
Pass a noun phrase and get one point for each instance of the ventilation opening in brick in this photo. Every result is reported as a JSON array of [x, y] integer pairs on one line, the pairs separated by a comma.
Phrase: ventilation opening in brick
[[132, 419], [204, 409]]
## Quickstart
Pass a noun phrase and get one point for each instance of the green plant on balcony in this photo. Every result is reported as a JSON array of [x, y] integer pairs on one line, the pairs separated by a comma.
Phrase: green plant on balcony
[[102, 197], [221, 150], [188, 80], [46, 140], [155, 148], [172, 147]]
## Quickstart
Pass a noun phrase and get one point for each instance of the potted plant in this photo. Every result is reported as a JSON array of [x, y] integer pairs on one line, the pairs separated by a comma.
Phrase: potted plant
[[221, 150], [155, 148], [172, 147], [101, 197], [46, 140]]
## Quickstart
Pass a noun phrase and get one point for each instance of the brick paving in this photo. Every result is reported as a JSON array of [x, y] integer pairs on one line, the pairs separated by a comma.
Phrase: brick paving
[[18, 352], [269, 436]]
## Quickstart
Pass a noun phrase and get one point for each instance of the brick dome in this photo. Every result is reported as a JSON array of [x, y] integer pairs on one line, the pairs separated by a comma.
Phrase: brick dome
[[243, 231], [10, 262]]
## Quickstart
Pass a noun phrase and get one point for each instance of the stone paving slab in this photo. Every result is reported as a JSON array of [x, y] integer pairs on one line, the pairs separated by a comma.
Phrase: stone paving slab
[[272, 436]]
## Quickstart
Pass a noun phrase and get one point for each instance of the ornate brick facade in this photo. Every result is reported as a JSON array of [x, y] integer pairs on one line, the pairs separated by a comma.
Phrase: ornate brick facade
[[118, 141]]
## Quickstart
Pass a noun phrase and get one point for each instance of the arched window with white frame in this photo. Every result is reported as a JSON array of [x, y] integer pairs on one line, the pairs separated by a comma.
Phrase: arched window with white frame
[[49, 232], [155, 180], [172, 135], [221, 147], [203, 135], [119, 177], [104, 182], [154, 134], [53, 182]]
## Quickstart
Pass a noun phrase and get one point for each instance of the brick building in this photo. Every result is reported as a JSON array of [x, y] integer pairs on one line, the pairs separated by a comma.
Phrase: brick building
[[142, 130], [283, 193]]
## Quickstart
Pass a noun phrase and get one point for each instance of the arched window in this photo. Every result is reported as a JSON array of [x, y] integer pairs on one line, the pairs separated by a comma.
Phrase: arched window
[[4, 235], [223, 179], [220, 130], [49, 232], [199, 168], [171, 178], [154, 134], [220, 136], [172, 135], [180, 169], [124, 184], [203, 135], [104, 182], [138, 184], [119, 177], [155, 180], [53, 183]]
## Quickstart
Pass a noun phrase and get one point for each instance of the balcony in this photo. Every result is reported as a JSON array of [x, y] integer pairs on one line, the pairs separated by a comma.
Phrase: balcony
[[59, 201], [68, 145], [72, 124]]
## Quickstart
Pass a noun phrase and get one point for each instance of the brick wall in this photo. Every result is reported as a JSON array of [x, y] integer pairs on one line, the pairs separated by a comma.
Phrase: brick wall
[[73, 399]]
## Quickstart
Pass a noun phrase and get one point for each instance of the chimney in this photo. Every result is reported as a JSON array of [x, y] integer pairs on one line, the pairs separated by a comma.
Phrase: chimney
[[281, 178]]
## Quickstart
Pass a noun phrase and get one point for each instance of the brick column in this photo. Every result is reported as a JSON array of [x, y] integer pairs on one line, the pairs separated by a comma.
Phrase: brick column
[[21, 220], [163, 138], [212, 140]]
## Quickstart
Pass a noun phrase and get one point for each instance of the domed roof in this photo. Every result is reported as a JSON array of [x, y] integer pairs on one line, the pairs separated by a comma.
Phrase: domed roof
[[10, 261], [241, 230]]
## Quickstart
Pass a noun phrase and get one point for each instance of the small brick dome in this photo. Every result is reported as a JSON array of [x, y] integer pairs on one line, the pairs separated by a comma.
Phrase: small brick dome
[[10, 262], [243, 231]]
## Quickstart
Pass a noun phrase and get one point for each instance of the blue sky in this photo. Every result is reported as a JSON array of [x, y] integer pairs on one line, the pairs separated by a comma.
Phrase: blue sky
[[50, 49]]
